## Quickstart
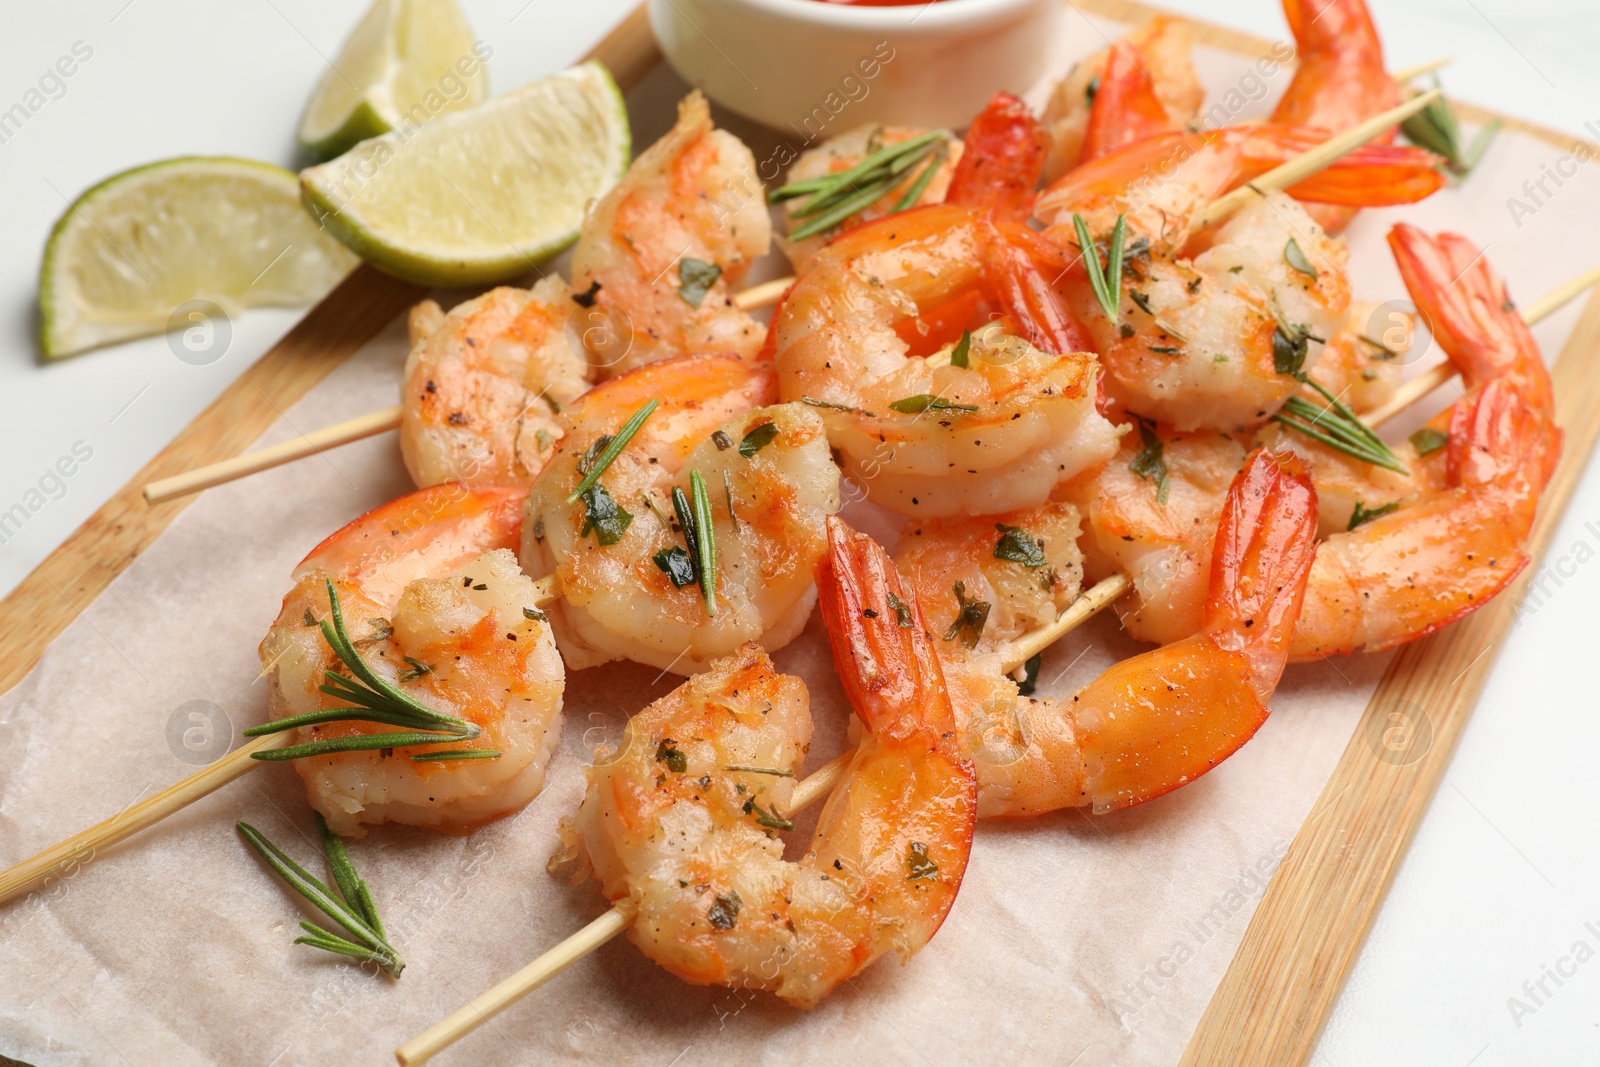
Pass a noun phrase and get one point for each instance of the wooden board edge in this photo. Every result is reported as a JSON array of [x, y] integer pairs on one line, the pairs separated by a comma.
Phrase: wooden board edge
[[1249, 44], [52, 594], [1297, 951]]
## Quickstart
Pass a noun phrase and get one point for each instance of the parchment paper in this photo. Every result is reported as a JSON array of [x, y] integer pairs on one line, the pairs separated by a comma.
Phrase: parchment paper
[[1075, 939]]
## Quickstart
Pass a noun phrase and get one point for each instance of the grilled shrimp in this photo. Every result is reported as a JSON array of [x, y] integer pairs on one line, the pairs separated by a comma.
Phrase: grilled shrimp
[[1340, 79], [682, 822], [659, 256], [435, 604], [1144, 83], [1151, 723], [629, 570], [484, 386]]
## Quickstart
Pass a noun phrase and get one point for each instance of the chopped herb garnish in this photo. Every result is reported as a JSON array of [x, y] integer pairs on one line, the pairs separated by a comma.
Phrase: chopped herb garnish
[[535, 615], [814, 402], [1142, 301], [1030, 676], [608, 519], [757, 439], [1363, 514], [1165, 350], [1150, 464], [371, 697], [1289, 347], [721, 439], [308, 619], [586, 298], [418, 669], [918, 865], [727, 494], [1429, 440], [724, 911], [596, 465], [673, 757], [382, 629], [695, 279], [1296, 258], [971, 616], [1019, 546], [902, 612], [678, 566], [916, 405], [960, 355], [351, 907], [748, 769], [705, 540], [1102, 280], [770, 819], [455, 754]]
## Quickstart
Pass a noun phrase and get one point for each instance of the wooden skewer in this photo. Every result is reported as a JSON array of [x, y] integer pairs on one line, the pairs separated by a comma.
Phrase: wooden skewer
[[1423, 384], [82, 847], [1317, 159], [808, 791], [1411, 74], [342, 433]]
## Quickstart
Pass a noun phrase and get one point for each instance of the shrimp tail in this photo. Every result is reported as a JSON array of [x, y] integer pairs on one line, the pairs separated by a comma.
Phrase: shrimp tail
[[1157, 721], [1002, 161], [1260, 561], [881, 646], [1374, 175], [1126, 108], [1468, 308], [1341, 77], [1496, 437]]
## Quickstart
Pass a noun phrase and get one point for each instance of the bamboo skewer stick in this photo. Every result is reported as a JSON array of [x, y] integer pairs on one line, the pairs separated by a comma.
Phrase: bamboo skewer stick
[[1317, 159], [1423, 384], [808, 791], [1411, 74], [762, 295]]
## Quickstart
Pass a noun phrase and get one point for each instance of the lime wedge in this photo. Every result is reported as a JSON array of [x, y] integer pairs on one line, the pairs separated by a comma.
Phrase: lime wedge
[[406, 62], [136, 247], [483, 195]]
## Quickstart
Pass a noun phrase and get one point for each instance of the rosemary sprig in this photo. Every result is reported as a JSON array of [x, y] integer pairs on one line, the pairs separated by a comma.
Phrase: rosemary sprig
[[1339, 428], [372, 699], [1106, 283], [1436, 129], [832, 198], [352, 907], [705, 541], [613, 449]]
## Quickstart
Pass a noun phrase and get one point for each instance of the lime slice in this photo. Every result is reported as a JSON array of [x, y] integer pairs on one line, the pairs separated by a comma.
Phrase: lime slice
[[483, 195], [406, 62], [133, 249]]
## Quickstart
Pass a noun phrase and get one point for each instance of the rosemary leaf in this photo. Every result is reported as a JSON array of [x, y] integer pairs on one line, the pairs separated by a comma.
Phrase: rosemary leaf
[[914, 192], [1091, 266], [705, 541], [455, 754], [748, 769], [961, 354], [814, 402], [613, 449], [359, 743], [916, 405], [1362, 514]]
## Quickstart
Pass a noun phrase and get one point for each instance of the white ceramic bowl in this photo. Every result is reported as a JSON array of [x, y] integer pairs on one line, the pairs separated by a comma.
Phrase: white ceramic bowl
[[818, 69]]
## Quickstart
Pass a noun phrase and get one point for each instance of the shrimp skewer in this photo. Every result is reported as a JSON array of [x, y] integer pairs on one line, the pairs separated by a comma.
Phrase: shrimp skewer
[[378, 422]]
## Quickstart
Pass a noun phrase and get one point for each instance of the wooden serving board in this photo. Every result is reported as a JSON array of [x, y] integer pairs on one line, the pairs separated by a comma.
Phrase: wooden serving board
[[1309, 925]]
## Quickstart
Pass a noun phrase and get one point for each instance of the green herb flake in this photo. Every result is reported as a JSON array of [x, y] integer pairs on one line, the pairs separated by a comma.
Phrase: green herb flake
[[608, 519], [916, 405], [673, 757], [1362, 514], [745, 768], [971, 617], [308, 619], [705, 540], [770, 819], [1019, 546], [1150, 464], [695, 279], [418, 669], [1030, 676], [1296, 258], [534, 615], [721, 440], [757, 439], [724, 911], [960, 356], [678, 565], [1429, 440], [1289, 347], [903, 614], [830, 405], [919, 865]]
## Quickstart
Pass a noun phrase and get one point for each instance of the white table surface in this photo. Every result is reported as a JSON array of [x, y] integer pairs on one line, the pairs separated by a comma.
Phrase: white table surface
[[1494, 898]]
